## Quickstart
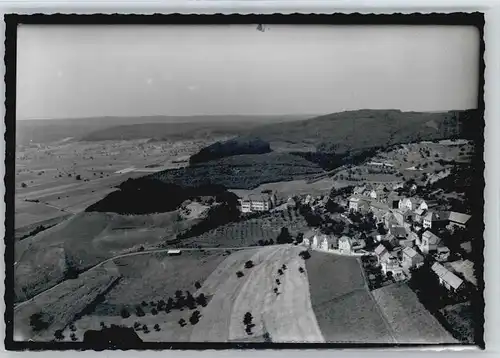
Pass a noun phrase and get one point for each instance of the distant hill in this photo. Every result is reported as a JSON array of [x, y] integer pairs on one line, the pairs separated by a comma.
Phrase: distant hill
[[229, 148], [362, 129], [245, 171], [50, 130]]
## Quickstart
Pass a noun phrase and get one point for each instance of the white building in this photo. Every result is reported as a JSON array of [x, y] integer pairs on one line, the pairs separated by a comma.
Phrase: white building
[[256, 203]]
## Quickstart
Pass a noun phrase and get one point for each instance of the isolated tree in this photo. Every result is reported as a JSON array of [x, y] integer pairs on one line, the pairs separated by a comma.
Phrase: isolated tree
[[301, 270], [195, 317], [139, 311], [169, 305], [197, 285], [201, 300], [275, 290], [39, 321], [78, 177], [284, 236], [137, 325], [73, 336], [145, 329], [124, 313], [182, 322], [247, 319], [157, 327], [239, 274], [23, 185], [154, 312], [58, 334], [278, 282], [190, 301], [280, 272], [103, 325], [261, 242], [305, 255], [267, 337], [249, 264], [284, 267], [72, 327]]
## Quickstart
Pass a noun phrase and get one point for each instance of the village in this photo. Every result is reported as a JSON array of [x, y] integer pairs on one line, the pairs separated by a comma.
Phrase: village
[[390, 227]]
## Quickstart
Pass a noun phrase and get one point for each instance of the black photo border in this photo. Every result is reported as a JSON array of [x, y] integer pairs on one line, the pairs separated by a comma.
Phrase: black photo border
[[12, 21]]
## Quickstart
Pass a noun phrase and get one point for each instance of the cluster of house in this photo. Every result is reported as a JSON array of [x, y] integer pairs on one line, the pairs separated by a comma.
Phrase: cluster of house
[[257, 202], [343, 245], [411, 223]]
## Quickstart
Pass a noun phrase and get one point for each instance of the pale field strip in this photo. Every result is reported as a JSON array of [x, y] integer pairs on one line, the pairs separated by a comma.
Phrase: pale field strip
[[288, 317]]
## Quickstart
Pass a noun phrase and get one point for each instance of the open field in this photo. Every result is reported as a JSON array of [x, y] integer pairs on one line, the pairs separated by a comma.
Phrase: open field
[[83, 241], [285, 317], [344, 308], [408, 318], [249, 232], [59, 306]]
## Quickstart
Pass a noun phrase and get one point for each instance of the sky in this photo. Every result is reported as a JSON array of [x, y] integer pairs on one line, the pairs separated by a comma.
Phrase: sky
[[92, 71]]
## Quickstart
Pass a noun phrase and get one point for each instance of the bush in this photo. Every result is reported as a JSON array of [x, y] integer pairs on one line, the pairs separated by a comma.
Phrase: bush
[[249, 264], [157, 327], [182, 322], [301, 270], [154, 312], [40, 321], [305, 255], [58, 334], [239, 274], [124, 313], [197, 285], [23, 185]]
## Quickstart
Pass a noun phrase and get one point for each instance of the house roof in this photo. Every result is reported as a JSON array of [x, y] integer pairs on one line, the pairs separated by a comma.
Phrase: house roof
[[436, 216], [466, 268], [438, 269], [444, 274], [408, 251], [420, 211], [431, 237], [459, 217], [398, 231], [346, 238], [466, 246], [379, 206], [380, 249], [415, 201], [443, 249]]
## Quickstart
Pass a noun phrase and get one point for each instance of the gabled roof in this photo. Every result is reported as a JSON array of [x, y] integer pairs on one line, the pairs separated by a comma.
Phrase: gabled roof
[[436, 216], [439, 269], [444, 274], [442, 249], [420, 211], [380, 249], [346, 238], [459, 217], [415, 201], [431, 237], [408, 251], [398, 231]]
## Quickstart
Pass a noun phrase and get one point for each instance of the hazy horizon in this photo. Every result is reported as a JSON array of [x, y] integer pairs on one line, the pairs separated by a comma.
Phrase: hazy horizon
[[71, 72]]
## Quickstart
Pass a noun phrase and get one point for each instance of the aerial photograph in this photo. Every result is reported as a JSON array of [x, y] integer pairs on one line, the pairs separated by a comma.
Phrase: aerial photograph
[[248, 184]]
